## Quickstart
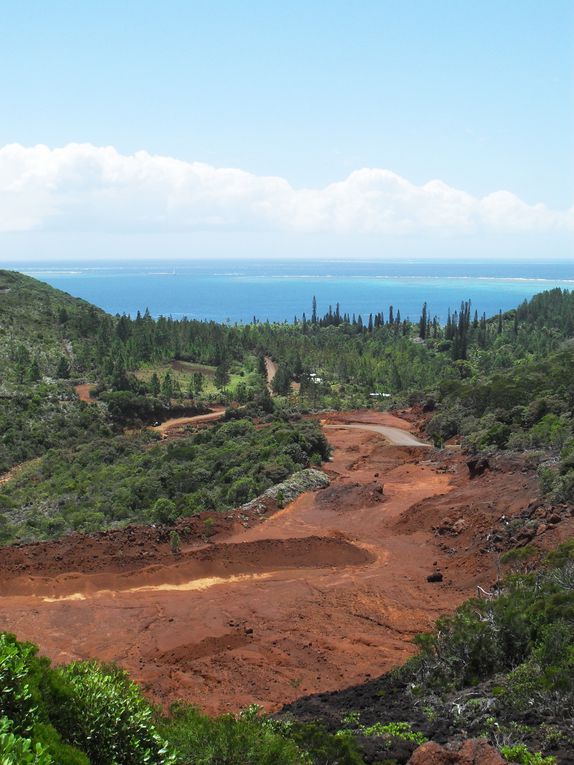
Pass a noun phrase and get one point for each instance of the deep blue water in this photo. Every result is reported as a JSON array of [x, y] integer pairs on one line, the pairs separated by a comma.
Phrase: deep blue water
[[236, 291]]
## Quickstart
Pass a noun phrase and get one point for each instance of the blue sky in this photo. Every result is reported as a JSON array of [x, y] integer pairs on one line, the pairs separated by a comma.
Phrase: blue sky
[[479, 95]]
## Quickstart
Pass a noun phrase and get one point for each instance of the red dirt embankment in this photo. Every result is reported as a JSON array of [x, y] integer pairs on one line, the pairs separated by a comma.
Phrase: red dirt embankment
[[325, 593]]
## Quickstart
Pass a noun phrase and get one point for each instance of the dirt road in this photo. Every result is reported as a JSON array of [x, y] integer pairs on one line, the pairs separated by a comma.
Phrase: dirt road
[[324, 594], [177, 423], [392, 434]]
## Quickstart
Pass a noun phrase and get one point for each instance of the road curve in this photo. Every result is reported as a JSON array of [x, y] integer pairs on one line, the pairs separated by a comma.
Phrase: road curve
[[396, 436], [179, 422]]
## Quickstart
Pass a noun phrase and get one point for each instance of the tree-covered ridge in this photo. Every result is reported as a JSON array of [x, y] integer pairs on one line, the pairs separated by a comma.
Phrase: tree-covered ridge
[[381, 351], [127, 479], [353, 355], [390, 354], [43, 331]]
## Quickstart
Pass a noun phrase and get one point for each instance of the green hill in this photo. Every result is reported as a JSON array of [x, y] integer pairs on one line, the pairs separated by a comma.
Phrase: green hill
[[39, 327]]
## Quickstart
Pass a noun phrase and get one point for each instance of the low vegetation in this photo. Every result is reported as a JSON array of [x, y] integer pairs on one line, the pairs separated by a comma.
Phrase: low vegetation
[[127, 479], [499, 668]]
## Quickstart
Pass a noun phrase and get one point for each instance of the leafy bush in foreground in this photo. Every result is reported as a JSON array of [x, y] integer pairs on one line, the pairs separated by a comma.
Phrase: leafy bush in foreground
[[82, 714], [227, 740], [87, 713]]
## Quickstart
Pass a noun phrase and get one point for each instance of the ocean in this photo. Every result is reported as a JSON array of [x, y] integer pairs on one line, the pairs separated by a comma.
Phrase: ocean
[[236, 291]]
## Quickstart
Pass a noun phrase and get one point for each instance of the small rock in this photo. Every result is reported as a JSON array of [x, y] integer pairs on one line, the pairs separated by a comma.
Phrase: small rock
[[459, 526], [436, 576], [477, 466], [472, 752]]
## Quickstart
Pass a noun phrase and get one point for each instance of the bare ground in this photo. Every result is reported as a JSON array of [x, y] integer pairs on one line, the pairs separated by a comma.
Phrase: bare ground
[[323, 594]]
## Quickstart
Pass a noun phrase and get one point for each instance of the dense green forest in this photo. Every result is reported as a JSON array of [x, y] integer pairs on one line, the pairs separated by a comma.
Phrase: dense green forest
[[499, 668]]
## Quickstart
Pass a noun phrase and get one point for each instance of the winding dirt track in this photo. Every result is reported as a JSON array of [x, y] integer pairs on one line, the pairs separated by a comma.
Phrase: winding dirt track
[[175, 424], [323, 594], [393, 435]]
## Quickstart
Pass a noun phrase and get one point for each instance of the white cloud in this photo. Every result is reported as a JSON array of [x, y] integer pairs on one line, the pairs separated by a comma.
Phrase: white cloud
[[81, 187]]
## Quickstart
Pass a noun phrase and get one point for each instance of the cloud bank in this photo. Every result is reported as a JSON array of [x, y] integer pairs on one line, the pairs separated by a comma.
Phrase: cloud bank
[[81, 187]]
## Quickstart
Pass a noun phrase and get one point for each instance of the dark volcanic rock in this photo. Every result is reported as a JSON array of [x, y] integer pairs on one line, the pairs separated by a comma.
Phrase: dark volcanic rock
[[477, 466]]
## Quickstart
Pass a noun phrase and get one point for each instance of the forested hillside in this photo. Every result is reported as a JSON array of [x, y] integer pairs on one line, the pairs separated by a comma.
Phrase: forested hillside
[[502, 382]]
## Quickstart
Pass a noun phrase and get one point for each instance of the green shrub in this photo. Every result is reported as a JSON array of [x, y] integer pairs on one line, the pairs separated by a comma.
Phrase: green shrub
[[17, 750], [249, 739], [164, 511], [109, 719], [323, 747], [519, 754], [400, 730], [17, 692]]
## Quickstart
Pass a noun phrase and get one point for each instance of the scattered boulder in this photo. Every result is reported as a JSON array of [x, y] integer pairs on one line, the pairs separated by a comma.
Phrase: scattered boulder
[[477, 751], [445, 526], [477, 465], [448, 526], [474, 751], [436, 576], [432, 753], [459, 526], [525, 535]]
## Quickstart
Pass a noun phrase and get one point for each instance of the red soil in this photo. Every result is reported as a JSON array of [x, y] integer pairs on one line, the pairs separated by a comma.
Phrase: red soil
[[83, 392], [173, 428], [323, 594]]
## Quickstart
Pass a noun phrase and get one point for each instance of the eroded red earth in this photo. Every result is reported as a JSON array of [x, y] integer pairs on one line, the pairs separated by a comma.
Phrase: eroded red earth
[[325, 593]]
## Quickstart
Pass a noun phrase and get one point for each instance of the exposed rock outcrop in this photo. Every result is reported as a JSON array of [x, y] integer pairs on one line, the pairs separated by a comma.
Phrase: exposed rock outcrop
[[291, 488]]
